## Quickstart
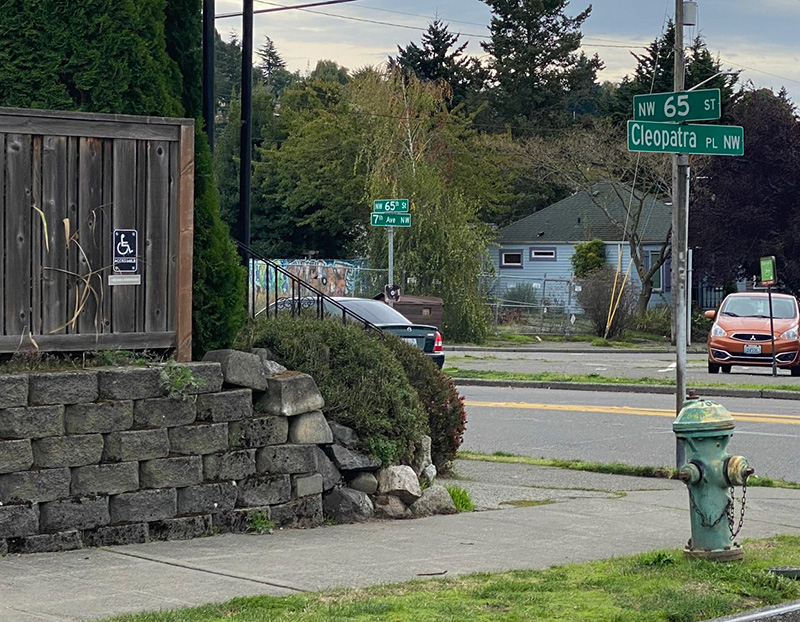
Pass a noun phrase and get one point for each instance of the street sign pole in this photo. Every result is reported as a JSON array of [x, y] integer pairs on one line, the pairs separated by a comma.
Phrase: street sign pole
[[680, 171], [391, 261]]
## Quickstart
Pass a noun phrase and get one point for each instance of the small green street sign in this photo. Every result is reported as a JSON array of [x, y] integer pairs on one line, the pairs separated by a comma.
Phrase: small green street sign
[[381, 206], [684, 138], [677, 107], [390, 220], [768, 273]]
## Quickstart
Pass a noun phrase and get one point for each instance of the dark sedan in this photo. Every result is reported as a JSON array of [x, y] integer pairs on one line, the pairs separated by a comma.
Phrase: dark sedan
[[426, 338]]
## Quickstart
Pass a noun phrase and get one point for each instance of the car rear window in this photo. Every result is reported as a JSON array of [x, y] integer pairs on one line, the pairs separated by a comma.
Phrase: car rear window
[[758, 306], [373, 311]]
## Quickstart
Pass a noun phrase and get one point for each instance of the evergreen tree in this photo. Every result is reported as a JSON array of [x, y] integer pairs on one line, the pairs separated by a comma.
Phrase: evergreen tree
[[535, 61], [440, 59], [274, 75]]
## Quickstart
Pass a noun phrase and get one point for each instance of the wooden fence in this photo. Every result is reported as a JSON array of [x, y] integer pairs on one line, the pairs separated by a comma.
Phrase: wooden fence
[[68, 181]]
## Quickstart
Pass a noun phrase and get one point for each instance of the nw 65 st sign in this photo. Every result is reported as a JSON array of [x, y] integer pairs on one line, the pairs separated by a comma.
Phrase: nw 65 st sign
[[676, 107]]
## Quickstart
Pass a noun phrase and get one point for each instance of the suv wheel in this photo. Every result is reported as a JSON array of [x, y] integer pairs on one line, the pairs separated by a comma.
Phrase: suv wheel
[[726, 369], [795, 371], [713, 368]]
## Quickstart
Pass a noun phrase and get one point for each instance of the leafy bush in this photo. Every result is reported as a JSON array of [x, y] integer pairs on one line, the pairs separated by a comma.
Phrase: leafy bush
[[588, 257], [445, 408], [364, 385], [655, 321], [595, 297]]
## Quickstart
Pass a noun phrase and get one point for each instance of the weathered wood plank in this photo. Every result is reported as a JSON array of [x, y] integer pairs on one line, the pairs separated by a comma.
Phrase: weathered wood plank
[[2, 232], [37, 236], [185, 211], [100, 341], [70, 232], [124, 217], [141, 227], [174, 237], [54, 258], [108, 231], [80, 128], [90, 233], [17, 298], [156, 244]]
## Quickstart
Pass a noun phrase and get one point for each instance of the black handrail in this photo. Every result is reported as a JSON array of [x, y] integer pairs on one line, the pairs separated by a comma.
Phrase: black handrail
[[301, 298]]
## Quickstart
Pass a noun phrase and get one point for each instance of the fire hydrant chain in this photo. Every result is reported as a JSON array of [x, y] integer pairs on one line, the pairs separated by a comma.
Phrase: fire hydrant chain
[[704, 520], [730, 511]]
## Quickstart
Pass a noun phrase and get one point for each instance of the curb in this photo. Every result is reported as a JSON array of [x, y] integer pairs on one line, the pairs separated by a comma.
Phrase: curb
[[562, 348], [629, 388]]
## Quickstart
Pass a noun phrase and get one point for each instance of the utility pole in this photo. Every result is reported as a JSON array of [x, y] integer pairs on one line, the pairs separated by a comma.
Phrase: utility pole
[[680, 219], [209, 97], [246, 133]]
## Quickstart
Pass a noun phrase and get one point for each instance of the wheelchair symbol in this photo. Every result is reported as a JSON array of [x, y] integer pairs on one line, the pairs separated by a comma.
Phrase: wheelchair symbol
[[123, 248]]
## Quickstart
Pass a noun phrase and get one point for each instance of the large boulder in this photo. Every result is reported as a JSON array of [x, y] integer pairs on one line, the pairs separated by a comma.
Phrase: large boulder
[[389, 506], [422, 455], [239, 368], [345, 505], [400, 481], [434, 500]]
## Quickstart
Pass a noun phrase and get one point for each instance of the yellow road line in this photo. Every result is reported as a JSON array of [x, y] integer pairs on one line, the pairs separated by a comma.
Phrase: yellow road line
[[628, 410]]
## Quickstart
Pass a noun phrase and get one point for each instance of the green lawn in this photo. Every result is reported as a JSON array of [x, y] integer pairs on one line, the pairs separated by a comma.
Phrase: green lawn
[[657, 586]]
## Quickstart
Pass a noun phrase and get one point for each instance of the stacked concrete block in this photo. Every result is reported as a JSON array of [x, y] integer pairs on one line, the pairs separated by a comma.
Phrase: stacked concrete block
[[106, 456]]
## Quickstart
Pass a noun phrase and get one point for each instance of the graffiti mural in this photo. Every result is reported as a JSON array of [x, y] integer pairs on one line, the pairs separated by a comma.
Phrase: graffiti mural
[[331, 277]]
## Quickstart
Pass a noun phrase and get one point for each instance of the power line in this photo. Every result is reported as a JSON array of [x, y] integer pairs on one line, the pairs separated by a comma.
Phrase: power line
[[280, 7]]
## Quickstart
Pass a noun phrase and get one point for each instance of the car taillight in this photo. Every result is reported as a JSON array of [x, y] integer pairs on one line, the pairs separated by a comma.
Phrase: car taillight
[[437, 343]]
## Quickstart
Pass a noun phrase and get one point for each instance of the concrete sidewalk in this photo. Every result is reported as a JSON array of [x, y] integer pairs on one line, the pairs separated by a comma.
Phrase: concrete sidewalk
[[591, 516]]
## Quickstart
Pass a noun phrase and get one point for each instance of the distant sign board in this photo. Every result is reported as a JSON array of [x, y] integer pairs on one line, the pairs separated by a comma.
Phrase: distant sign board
[[390, 220], [768, 276], [390, 205]]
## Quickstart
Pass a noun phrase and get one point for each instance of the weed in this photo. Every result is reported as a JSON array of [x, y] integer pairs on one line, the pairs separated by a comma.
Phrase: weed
[[461, 498], [178, 380], [259, 523]]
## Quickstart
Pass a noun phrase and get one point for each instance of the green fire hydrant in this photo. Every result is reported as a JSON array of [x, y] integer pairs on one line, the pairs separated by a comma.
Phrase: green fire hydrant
[[703, 429]]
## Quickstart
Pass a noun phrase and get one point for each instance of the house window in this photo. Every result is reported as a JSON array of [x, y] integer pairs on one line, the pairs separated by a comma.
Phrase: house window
[[511, 259], [543, 253], [659, 278]]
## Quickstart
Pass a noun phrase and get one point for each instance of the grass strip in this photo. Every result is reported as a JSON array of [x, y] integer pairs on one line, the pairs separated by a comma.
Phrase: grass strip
[[612, 468], [457, 372], [658, 586]]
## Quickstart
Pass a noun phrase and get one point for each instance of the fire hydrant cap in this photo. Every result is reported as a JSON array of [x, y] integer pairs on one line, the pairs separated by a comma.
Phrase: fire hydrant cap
[[698, 415]]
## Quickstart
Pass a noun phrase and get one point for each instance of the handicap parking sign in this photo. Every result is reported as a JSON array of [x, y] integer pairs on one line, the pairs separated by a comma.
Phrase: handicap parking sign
[[126, 251]]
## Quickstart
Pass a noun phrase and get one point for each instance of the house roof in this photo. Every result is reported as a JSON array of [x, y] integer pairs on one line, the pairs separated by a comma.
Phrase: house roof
[[580, 218]]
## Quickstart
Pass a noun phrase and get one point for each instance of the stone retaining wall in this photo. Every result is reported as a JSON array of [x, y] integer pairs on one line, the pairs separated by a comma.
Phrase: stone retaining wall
[[102, 457]]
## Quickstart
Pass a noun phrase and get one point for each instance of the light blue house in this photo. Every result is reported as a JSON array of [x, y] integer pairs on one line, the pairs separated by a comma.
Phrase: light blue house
[[537, 249]]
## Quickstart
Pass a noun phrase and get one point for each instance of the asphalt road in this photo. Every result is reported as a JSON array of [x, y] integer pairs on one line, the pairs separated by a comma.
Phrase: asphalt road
[[604, 362], [631, 428]]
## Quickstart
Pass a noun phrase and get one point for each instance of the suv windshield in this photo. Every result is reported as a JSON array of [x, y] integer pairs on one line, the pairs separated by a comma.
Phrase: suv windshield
[[758, 306]]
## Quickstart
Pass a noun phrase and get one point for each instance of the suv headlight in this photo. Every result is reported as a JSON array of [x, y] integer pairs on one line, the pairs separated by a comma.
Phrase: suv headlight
[[791, 333], [716, 331]]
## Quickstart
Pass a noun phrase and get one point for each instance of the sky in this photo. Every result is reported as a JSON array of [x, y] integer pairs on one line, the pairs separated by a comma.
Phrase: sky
[[759, 37]]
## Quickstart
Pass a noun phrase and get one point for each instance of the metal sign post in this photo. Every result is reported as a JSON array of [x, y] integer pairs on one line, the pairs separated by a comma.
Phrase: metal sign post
[[768, 278], [390, 213]]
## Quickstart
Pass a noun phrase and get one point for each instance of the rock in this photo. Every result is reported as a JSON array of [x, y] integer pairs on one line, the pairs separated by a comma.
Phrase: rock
[[400, 481], [389, 506], [429, 474], [330, 474], [365, 482], [343, 435], [345, 505], [346, 460], [271, 366], [310, 429], [290, 393], [422, 455], [242, 369], [434, 500]]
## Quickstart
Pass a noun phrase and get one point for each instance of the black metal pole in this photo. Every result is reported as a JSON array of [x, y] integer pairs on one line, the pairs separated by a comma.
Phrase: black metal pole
[[209, 99], [246, 147], [772, 332]]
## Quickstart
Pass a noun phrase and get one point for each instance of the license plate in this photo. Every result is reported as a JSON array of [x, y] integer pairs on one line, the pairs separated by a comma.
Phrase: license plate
[[413, 342], [751, 349]]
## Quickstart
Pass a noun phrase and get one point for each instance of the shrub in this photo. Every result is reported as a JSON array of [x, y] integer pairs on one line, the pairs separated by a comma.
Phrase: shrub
[[445, 408], [595, 297], [655, 321], [588, 257], [362, 382]]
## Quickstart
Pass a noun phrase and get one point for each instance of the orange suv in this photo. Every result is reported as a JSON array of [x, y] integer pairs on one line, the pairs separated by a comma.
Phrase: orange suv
[[741, 332]]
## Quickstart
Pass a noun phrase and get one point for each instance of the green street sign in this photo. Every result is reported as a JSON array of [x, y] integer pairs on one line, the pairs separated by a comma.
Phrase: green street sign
[[684, 138], [390, 220], [768, 276], [390, 205], [677, 107]]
